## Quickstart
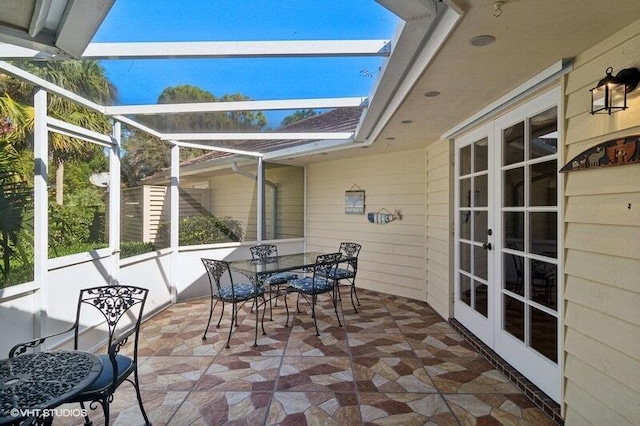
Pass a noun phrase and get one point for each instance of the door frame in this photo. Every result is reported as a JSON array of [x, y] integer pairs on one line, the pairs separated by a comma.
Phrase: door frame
[[544, 373], [478, 324]]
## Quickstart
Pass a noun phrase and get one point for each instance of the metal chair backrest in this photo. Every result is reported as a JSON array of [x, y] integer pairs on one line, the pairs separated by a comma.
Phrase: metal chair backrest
[[350, 249], [215, 270], [262, 251], [326, 265], [113, 302]]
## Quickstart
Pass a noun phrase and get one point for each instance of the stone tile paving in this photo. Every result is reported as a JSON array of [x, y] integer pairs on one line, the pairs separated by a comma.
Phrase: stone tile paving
[[395, 362]]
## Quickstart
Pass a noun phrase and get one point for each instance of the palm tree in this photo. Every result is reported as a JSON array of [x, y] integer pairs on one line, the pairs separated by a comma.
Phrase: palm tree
[[15, 188], [86, 78]]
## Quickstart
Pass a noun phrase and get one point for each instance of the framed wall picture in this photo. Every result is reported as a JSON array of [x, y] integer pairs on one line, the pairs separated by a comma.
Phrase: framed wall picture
[[354, 202]]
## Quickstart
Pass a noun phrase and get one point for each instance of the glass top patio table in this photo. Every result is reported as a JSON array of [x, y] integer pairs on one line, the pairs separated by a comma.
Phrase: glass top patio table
[[255, 268]]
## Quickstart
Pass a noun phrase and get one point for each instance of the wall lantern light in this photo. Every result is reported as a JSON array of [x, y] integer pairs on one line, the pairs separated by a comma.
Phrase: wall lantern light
[[610, 95]]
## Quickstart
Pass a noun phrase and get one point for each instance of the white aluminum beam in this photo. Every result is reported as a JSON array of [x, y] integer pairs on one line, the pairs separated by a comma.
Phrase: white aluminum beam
[[217, 148], [266, 105], [256, 136], [11, 51], [49, 87], [237, 49], [138, 126], [310, 148], [78, 132]]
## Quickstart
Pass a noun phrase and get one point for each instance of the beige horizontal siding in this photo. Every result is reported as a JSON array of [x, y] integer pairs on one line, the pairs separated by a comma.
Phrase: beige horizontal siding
[[615, 240], [590, 409], [438, 230], [617, 398], [601, 357], [602, 250], [392, 256]]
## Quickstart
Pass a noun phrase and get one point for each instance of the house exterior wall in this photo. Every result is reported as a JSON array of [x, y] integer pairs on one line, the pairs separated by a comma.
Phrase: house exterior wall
[[289, 200], [145, 207], [392, 259], [602, 249], [234, 195], [438, 227]]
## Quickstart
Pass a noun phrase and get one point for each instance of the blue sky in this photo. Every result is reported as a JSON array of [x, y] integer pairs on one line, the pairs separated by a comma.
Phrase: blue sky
[[142, 81]]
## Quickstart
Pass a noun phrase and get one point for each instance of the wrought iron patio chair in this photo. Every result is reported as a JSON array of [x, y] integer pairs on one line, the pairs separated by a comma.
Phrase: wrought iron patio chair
[[233, 293], [272, 283], [122, 308], [345, 273], [318, 283]]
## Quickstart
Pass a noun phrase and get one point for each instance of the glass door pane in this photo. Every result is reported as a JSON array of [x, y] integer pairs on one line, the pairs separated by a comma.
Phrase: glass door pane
[[529, 217], [473, 230]]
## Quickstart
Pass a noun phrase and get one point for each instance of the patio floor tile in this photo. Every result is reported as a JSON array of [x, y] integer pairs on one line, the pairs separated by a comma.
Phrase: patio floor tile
[[395, 362]]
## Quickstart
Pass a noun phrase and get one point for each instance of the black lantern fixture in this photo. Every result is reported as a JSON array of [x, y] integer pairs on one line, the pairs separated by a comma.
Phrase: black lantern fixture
[[610, 95]]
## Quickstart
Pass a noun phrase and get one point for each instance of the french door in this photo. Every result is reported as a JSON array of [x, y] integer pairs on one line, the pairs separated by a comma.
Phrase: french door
[[507, 275]]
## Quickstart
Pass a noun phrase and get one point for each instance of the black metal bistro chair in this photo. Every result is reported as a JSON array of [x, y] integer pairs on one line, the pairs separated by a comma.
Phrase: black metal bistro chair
[[318, 283], [273, 283], [115, 303], [233, 293], [345, 273]]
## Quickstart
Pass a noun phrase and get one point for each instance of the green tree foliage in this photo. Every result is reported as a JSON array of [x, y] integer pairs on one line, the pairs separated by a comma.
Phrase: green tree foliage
[[78, 221], [208, 229], [16, 183], [86, 78], [299, 115], [146, 155], [16, 156]]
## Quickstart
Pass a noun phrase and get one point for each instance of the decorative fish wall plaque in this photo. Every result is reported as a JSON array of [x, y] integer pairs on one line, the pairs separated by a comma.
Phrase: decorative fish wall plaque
[[383, 216], [616, 152]]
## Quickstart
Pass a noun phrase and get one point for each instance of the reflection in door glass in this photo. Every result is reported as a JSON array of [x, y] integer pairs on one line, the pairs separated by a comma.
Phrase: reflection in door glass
[[465, 160], [465, 289], [480, 291], [481, 155], [543, 288], [513, 273], [514, 230], [465, 192], [543, 229], [543, 188], [480, 260], [465, 257], [544, 134], [465, 225], [544, 333], [514, 317], [480, 184], [513, 144], [480, 226], [513, 187]]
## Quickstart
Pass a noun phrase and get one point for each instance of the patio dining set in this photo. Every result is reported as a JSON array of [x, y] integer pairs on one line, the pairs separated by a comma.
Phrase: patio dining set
[[272, 276], [34, 382]]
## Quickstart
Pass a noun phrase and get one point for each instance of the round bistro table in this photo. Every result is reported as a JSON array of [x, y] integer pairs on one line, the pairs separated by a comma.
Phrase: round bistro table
[[32, 383]]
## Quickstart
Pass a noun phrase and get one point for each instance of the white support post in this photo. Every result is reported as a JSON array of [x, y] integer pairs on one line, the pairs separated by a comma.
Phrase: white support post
[[174, 218], [41, 206], [114, 201], [260, 200]]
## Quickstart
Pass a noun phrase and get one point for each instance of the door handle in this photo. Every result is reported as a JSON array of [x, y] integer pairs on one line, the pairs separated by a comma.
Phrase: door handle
[[487, 246]]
